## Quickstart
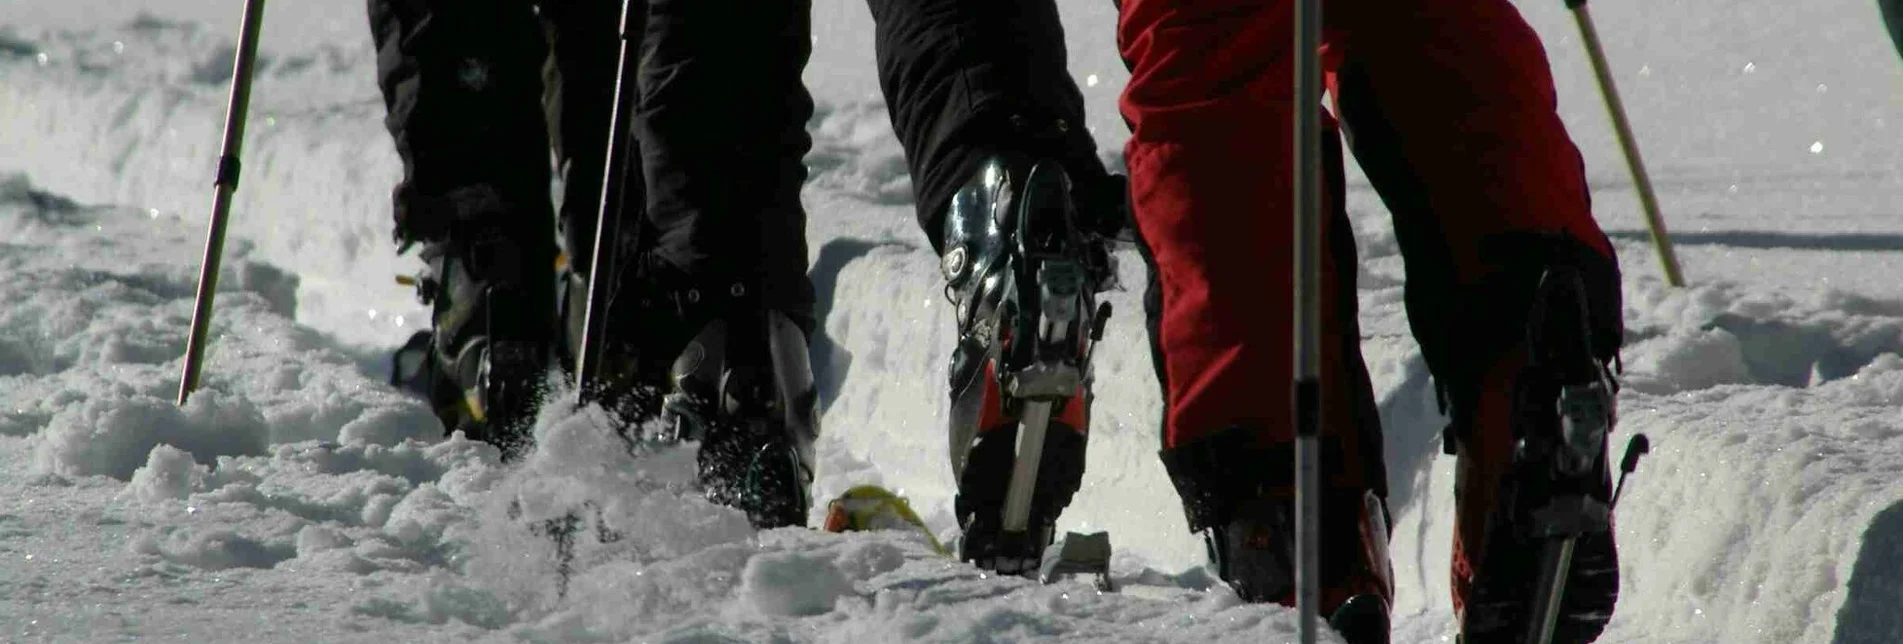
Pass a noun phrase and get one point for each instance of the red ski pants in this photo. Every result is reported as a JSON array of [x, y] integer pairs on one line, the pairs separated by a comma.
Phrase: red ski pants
[[1451, 99], [1463, 85]]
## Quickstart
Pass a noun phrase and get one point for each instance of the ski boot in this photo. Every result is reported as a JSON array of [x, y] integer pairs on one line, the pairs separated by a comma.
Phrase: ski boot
[[1549, 569], [713, 363], [1024, 281], [743, 387], [1245, 509], [482, 362]]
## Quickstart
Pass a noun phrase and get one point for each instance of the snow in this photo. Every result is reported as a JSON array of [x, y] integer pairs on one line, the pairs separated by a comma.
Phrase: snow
[[296, 497]]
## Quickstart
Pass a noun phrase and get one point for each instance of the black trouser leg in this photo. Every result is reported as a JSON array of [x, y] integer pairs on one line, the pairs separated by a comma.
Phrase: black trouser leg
[[460, 81], [584, 48], [964, 79], [461, 85], [722, 132]]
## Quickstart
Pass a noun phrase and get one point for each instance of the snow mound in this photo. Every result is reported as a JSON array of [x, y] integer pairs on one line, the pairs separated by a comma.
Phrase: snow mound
[[1766, 503], [583, 540], [793, 584], [1724, 333], [316, 508], [167, 475], [111, 436], [215, 549], [95, 333]]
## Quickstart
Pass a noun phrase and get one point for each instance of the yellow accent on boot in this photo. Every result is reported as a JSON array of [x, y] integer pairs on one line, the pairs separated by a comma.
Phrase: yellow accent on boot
[[472, 403]]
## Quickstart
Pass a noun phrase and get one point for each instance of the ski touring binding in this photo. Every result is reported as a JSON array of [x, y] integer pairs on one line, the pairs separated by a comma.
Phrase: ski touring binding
[[1024, 280]]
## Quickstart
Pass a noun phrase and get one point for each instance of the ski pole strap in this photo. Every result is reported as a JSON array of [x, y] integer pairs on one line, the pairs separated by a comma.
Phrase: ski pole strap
[[228, 169]]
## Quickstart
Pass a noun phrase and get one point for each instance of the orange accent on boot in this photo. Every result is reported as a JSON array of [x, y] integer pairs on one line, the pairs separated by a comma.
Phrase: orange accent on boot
[[1485, 453], [1076, 414], [991, 412]]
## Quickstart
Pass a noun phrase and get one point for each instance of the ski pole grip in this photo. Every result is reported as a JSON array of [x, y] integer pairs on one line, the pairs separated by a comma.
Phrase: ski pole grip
[[1635, 448], [1575, 4]]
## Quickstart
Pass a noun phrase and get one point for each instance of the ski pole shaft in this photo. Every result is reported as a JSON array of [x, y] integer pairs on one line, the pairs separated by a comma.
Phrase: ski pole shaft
[[602, 268], [225, 184], [1648, 200], [1308, 247]]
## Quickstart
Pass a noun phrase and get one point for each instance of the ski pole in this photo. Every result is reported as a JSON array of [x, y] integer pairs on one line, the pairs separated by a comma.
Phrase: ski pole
[[601, 269], [225, 184], [1648, 200], [1308, 317]]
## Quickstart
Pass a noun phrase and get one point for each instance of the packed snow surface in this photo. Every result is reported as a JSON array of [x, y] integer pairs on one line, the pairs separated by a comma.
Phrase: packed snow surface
[[297, 497]]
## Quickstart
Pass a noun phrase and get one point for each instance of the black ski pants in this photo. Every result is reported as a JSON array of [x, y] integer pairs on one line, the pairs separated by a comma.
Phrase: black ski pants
[[720, 125], [964, 79], [720, 128]]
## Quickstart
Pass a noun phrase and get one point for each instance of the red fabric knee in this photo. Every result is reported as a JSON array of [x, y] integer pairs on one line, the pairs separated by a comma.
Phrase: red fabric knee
[[1209, 105], [1467, 87]]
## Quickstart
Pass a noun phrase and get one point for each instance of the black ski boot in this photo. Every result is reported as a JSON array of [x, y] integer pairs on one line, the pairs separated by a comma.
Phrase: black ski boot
[[743, 387], [1240, 496], [482, 362], [713, 363], [1024, 280], [1550, 569], [1254, 551]]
